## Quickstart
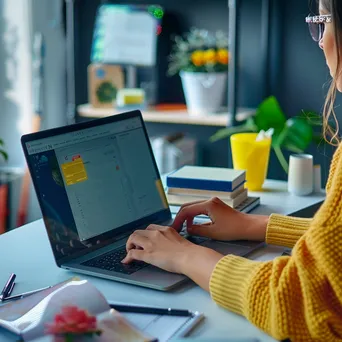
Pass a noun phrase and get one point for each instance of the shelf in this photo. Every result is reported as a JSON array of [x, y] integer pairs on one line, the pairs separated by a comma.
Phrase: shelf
[[170, 116]]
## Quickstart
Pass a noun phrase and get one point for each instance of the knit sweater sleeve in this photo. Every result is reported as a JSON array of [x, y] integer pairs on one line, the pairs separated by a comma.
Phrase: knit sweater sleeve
[[286, 231], [297, 297]]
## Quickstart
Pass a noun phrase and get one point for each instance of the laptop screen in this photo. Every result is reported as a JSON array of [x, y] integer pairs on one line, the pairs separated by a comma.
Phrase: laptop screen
[[93, 183]]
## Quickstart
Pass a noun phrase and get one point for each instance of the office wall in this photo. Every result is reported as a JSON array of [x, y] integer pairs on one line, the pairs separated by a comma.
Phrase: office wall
[[297, 70], [15, 78], [303, 75], [47, 18]]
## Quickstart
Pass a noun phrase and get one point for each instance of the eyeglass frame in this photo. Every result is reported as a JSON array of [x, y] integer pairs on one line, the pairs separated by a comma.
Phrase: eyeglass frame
[[319, 20]]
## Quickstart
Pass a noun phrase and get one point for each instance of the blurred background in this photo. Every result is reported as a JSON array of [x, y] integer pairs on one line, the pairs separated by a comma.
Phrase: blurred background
[[63, 62]]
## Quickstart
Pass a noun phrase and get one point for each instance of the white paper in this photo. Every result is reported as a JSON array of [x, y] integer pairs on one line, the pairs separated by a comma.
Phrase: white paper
[[127, 37], [164, 327], [27, 316]]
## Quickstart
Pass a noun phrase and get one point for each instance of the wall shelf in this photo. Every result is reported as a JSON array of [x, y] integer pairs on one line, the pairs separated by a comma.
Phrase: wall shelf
[[223, 119]]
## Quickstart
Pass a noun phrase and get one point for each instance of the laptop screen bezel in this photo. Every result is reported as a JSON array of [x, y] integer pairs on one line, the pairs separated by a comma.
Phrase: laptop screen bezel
[[161, 216]]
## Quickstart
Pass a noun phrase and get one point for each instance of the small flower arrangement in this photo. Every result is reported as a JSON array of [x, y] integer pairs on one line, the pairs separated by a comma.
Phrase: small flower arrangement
[[199, 51], [71, 323]]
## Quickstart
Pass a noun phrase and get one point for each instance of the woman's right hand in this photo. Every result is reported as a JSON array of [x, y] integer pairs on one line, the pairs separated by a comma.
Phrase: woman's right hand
[[226, 223]]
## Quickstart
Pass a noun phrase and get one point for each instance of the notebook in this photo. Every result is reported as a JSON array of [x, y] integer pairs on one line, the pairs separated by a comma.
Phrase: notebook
[[29, 317]]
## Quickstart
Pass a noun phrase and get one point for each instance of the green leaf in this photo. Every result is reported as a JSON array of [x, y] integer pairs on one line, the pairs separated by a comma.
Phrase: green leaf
[[292, 148], [281, 158], [297, 134], [270, 115], [224, 133], [4, 154], [313, 118], [69, 338], [1, 142]]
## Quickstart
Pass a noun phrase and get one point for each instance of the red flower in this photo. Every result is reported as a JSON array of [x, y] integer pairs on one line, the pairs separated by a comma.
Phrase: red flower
[[72, 320]]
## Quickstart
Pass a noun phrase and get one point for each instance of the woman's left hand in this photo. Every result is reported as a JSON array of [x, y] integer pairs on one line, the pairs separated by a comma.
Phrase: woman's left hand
[[165, 248]]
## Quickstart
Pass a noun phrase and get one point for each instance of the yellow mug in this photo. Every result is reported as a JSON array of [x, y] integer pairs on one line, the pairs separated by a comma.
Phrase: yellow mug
[[252, 156]]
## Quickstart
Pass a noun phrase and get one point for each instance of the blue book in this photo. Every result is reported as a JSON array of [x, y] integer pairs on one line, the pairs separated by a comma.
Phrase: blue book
[[206, 178]]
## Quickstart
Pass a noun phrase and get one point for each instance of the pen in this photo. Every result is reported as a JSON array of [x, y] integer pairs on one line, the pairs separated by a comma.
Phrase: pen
[[151, 310], [11, 289], [8, 287], [25, 294]]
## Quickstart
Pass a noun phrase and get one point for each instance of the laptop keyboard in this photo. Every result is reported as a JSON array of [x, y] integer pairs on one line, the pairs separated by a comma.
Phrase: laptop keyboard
[[194, 239], [111, 261]]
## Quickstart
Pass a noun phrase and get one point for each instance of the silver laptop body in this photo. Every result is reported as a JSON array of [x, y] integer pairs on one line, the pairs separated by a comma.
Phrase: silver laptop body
[[96, 183]]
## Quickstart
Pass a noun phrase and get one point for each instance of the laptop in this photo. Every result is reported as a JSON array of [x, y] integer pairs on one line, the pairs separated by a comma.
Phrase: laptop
[[97, 182]]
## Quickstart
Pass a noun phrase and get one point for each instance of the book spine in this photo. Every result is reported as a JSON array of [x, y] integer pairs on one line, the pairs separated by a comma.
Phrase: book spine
[[238, 199], [205, 193], [180, 200], [199, 184]]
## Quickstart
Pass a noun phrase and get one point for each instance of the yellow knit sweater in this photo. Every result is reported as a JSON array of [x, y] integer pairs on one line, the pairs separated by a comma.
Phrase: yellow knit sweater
[[297, 297]]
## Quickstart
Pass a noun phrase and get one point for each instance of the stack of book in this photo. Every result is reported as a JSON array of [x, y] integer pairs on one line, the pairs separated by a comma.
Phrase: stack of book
[[196, 183]]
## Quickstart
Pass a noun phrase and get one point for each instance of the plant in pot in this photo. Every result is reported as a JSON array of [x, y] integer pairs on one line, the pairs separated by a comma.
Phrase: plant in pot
[[201, 58], [294, 134]]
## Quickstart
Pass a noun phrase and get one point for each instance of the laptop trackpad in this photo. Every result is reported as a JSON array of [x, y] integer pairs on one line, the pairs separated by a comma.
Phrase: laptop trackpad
[[226, 247]]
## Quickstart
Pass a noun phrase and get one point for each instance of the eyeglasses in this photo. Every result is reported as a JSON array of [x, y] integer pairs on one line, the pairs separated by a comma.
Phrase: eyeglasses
[[317, 25]]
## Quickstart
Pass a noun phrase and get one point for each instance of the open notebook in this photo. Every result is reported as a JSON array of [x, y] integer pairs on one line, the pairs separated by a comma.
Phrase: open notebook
[[27, 317]]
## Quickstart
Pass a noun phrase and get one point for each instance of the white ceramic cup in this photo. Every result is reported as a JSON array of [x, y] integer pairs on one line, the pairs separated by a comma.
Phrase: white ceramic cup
[[300, 177]]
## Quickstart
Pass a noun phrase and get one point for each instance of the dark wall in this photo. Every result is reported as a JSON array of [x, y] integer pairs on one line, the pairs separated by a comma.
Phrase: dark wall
[[296, 73], [179, 17], [303, 76]]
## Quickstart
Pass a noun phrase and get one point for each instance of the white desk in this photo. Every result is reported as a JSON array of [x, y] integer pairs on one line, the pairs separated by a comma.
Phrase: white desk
[[26, 252]]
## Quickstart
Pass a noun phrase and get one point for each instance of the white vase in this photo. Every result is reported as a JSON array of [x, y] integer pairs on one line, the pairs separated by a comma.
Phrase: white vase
[[204, 91], [300, 178]]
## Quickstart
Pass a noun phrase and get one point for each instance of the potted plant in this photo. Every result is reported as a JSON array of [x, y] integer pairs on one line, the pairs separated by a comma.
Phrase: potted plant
[[201, 58], [294, 134]]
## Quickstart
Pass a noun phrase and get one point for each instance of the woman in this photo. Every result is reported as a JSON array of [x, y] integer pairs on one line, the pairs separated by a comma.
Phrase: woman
[[297, 297]]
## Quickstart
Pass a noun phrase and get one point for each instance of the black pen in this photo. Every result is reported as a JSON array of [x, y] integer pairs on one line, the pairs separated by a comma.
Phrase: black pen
[[8, 287], [25, 294], [151, 310], [11, 289]]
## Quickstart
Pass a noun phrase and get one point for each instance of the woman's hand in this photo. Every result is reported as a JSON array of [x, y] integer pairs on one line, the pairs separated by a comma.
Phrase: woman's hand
[[226, 223], [165, 248]]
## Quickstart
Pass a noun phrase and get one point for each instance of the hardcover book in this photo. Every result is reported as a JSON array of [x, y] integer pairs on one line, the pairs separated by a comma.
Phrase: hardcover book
[[206, 178]]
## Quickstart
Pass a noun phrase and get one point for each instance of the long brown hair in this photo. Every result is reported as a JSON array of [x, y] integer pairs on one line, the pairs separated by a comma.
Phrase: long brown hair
[[334, 7]]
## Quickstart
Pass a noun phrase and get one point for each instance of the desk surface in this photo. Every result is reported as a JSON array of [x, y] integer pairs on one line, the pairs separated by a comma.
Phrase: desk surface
[[170, 116], [26, 252]]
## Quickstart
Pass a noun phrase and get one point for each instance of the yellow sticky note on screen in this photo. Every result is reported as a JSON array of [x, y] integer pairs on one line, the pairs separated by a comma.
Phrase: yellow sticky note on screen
[[74, 171]]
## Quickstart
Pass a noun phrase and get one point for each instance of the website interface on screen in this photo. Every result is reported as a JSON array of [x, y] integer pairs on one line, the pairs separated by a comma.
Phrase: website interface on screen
[[93, 181]]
